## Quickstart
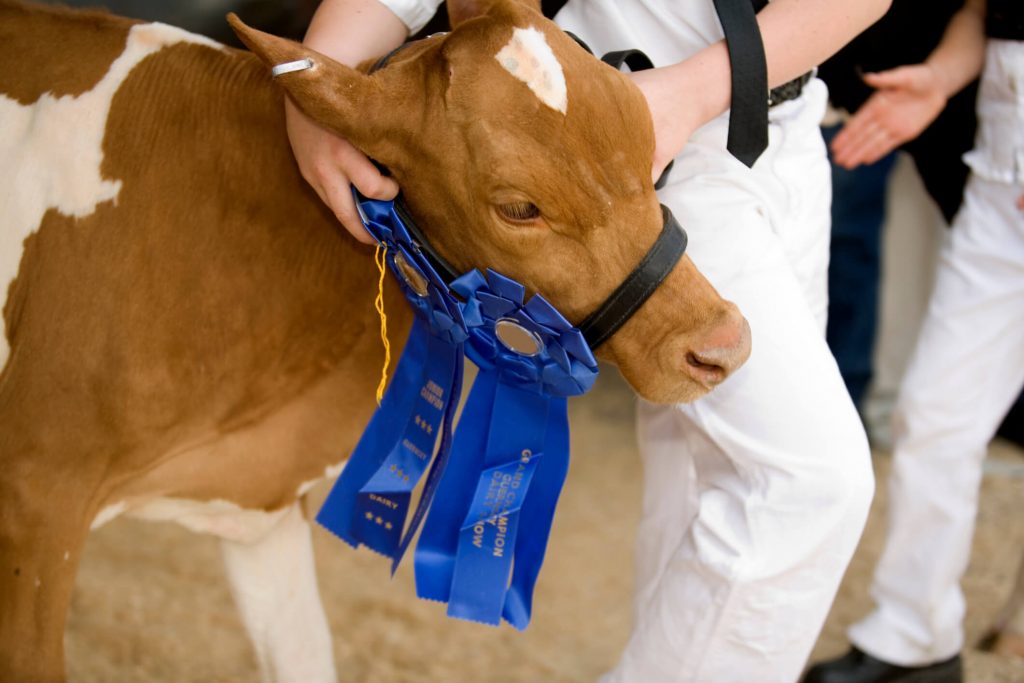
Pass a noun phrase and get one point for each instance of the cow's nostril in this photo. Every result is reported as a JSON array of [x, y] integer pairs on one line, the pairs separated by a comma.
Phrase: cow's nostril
[[705, 369], [723, 350]]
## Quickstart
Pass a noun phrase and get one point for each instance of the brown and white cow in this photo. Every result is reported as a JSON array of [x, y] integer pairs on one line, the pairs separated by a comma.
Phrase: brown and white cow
[[188, 335]]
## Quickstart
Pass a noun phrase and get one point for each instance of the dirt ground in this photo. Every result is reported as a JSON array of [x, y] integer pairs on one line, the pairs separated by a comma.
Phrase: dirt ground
[[152, 604]]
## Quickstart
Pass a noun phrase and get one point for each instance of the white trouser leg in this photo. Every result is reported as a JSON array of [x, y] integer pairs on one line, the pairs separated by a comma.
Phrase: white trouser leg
[[967, 368], [274, 585], [756, 495]]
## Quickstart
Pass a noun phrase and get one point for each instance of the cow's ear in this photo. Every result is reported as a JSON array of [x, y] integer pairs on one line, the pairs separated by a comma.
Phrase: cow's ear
[[334, 95], [462, 10]]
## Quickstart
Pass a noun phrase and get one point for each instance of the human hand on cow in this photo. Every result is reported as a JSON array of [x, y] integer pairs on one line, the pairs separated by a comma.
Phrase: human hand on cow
[[672, 125], [330, 164], [675, 110]]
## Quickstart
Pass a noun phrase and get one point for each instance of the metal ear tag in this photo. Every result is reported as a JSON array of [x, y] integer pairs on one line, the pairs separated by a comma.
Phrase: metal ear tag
[[289, 67]]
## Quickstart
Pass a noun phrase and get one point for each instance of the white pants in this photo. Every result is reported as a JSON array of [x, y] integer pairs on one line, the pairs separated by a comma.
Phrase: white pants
[[756, 495], [966, 370]]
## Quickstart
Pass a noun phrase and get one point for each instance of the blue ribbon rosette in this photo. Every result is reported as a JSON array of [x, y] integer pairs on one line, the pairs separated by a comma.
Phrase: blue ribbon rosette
[[490, 496]]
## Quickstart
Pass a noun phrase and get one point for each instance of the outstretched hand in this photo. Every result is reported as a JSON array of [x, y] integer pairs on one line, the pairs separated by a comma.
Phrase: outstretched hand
[[906, 100], [330, 164]]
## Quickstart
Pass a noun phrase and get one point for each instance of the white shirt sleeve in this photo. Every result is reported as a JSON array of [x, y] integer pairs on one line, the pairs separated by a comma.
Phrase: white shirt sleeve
[[414, 13]]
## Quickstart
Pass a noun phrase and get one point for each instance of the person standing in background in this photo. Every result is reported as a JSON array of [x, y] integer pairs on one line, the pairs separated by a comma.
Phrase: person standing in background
[[907, 33], [968, 365]]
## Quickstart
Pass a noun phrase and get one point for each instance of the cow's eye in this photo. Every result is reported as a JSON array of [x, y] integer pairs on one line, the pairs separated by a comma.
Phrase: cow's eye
[[519, 212]]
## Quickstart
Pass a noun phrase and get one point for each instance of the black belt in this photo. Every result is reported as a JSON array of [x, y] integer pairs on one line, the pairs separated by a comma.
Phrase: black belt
[[788, 91]]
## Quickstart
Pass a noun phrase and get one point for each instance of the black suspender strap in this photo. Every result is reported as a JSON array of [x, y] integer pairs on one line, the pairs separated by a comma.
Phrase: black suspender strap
[[748, 118]]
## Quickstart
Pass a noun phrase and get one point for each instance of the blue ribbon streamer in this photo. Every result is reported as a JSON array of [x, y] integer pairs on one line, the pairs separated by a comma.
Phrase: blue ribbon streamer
[[383, 502], [487, 539], [435, 552], [537, 515]]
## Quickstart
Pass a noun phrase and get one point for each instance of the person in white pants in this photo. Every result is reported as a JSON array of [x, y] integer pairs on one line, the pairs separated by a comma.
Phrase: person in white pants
[[755, 496], [968, 364]]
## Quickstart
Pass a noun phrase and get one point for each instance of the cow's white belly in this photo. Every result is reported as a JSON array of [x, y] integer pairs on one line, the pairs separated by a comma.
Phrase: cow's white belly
[[220, 518], [52, 151]]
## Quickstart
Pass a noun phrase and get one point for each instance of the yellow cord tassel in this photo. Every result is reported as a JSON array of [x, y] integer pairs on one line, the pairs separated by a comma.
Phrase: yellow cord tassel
[[380, 258]]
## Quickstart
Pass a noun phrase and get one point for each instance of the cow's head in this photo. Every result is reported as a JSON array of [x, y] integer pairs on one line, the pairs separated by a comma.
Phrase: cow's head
[[517, 150]]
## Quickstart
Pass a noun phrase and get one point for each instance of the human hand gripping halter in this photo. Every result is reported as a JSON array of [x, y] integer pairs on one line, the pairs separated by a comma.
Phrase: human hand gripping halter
[[490, 493]]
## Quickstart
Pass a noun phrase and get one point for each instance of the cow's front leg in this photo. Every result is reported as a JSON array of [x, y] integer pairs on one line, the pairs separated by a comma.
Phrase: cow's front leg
[[274, 584], [41, 537]]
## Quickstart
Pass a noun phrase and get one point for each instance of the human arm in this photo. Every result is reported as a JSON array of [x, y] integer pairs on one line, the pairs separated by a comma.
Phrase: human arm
[[348, 31], [797, 35], [907, 99]]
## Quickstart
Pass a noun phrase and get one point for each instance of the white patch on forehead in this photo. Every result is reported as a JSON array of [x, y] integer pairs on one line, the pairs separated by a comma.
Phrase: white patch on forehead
[[529, 58], [51, 151]]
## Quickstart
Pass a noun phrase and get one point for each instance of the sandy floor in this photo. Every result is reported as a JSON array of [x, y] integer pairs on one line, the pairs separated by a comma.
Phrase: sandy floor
[[152, 604]]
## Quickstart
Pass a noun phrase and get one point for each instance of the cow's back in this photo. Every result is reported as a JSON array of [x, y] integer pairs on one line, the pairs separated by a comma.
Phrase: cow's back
[[171, 282]]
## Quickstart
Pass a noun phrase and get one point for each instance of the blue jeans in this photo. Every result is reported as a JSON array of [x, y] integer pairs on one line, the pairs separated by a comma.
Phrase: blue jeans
[[858, 212]]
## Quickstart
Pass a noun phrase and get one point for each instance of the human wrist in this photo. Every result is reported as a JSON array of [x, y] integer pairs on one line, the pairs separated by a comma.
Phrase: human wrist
[[945, 84], [702, 85]]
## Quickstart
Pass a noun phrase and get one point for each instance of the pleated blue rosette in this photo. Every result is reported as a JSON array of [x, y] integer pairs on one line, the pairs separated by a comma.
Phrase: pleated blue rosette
[[369, 503], [484, 540], [491, 491]]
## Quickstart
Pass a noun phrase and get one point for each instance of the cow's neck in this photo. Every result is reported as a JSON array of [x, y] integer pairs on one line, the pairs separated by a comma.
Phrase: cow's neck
[[213, 290]]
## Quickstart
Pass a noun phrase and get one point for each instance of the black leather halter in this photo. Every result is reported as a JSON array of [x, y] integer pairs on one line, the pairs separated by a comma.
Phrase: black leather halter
[[638, 286]]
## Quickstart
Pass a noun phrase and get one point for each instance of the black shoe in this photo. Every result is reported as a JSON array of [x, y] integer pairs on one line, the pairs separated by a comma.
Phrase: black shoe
[[859, 667]]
